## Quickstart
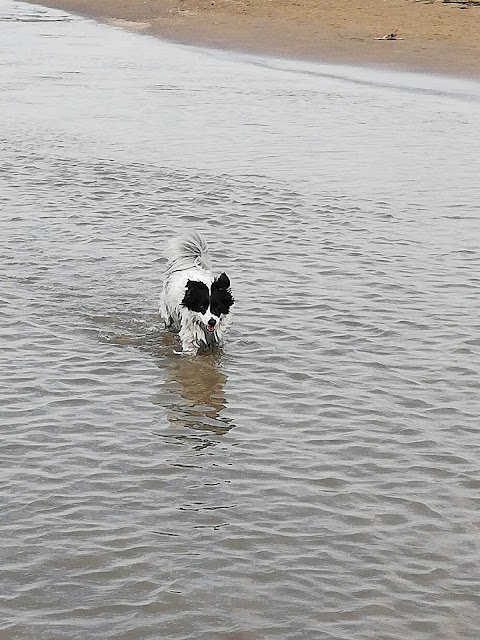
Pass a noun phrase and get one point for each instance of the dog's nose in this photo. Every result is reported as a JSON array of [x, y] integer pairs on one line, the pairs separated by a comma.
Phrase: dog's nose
[[212, 322]]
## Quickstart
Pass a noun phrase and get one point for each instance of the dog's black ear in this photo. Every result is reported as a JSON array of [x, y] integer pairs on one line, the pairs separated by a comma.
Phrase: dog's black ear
[[196, 296], [223, 281], [222, 298]]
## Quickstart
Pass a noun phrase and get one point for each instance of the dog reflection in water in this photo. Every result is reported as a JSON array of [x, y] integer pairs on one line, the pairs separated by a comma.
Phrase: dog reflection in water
[[194, 391]]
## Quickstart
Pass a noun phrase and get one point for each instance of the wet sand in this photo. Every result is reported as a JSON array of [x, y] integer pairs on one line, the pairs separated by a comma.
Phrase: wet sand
[[440, 37]]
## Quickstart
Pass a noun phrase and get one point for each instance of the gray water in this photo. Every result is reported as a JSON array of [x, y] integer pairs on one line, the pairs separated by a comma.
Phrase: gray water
[[319, 479]]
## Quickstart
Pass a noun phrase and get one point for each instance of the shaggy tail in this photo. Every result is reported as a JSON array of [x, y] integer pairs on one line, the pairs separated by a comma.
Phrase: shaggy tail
[[188, 252]]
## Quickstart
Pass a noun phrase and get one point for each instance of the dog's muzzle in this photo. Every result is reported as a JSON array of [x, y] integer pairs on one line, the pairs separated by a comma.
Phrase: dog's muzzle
[[211, 324]]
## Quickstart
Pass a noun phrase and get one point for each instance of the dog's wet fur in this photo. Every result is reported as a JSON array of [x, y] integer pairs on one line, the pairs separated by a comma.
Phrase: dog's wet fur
[[193, 301]]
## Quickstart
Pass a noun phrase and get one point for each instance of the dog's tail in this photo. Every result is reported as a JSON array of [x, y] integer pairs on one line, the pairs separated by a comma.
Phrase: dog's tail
[[188, 252]]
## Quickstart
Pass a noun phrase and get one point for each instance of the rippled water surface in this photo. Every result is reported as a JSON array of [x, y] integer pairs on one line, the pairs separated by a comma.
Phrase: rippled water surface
[[320, 478]]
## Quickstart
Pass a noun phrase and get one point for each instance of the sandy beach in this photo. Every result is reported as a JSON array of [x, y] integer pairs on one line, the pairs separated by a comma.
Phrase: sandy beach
[[437, 36]]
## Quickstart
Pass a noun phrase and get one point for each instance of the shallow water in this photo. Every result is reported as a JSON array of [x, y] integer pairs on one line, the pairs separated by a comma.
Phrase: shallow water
[[320, 478]]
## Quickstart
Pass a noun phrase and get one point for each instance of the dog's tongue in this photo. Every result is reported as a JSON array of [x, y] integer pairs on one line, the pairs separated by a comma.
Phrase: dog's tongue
[[210, 328]]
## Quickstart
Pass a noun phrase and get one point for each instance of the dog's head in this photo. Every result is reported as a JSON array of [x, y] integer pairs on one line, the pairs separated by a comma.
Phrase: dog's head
[[209, 304]]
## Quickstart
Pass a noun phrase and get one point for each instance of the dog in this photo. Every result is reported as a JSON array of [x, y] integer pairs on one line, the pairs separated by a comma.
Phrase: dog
[[194, 302]]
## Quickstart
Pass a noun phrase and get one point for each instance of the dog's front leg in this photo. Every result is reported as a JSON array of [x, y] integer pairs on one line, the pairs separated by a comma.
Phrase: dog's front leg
[[187, 350], [189, 346]]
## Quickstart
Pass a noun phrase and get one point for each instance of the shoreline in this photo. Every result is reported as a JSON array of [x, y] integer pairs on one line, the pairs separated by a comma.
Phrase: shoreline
[[439, 37]]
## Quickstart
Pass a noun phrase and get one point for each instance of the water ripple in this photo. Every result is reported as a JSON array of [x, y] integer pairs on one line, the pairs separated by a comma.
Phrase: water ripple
[[319, 478]]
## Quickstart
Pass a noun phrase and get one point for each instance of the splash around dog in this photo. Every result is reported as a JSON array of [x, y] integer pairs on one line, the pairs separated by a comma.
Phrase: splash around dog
[[193, 301]]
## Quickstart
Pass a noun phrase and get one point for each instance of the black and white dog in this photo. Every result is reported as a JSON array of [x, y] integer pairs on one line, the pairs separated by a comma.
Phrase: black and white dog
[[193, 301]]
